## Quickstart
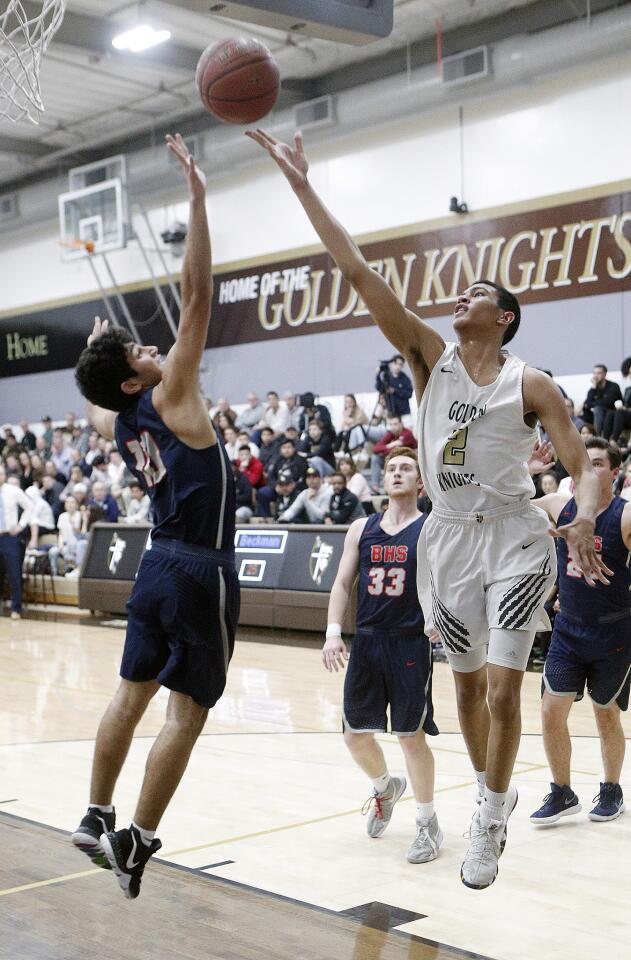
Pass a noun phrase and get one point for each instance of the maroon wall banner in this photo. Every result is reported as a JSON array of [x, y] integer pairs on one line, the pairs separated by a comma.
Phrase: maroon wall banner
[[559, 252]]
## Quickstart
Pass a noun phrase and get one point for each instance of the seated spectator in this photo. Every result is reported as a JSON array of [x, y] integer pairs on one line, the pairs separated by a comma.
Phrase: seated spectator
[[285, 491], [92, 452], [27, 474], [104, 501], [51, 470], [230, 442], [622, 413], [625, 492], [60, 454], [71, 539], [12, 466], [600, 402], [318, 449], [243, 437], [587, 431], [269, 446], [548, 483], [99, 471], [223, 408], [79, 439], [222, 422], [28, 437], [248, 418], [288, 461], [139, 506], [245, 496], [51, 489], [116, 471], [294, 410], [250, 466], [344, 506], [275, 415], [76, 476], [395, 436], [311, 504], [354, 419], [577, 421], [356, 483], [315, 411]]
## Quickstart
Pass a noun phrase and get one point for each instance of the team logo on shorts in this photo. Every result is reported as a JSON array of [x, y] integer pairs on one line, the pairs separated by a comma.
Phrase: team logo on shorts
[[319, 559], [115, 552]]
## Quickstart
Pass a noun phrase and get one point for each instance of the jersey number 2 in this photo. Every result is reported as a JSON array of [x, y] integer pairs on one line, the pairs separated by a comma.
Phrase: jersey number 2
[[391, 582], [454, 452], [148, 459]]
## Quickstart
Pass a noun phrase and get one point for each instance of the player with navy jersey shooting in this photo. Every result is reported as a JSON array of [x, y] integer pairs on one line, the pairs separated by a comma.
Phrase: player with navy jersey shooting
[[184, 605], [391, 660]]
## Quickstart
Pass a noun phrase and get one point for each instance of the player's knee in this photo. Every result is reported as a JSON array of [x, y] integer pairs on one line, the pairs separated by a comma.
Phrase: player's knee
[[357, 741], [607, 717], [504, 700], [415, 745], [471, 697]]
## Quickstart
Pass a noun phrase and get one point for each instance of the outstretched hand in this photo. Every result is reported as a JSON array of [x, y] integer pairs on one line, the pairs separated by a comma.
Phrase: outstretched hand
[[196, 177], [334, 654], [540, 458], [100, 326], [579, 536], [291, 160]]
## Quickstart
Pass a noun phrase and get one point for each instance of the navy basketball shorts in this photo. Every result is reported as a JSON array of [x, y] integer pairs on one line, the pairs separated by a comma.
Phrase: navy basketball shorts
[[182, 618], [389, 669], [596, 656]]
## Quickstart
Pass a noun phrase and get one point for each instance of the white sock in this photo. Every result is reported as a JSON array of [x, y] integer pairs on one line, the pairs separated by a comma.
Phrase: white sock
[[424, 811], [145, 835], [493, 807], [103, 807], [480, 776], [382, 783]]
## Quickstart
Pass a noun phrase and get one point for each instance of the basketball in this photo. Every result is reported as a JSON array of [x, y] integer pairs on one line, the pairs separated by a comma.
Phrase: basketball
[[238, 80]]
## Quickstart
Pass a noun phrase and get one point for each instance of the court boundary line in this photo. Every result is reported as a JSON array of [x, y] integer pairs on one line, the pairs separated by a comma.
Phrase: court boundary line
[[208, 877]]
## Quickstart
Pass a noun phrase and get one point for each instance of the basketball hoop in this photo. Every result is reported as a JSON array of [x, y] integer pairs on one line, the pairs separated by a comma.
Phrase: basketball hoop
[[24, 39]]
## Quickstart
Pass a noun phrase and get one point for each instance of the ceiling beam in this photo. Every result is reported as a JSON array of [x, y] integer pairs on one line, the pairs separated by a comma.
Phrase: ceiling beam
[[93, 35], [21, 147]]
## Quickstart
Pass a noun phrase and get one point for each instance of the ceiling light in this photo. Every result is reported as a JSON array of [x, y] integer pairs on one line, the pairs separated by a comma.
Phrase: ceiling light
[[140, 38]]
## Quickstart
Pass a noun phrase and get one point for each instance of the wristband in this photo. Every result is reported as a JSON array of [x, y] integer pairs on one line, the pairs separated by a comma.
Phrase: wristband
[[333, 630]]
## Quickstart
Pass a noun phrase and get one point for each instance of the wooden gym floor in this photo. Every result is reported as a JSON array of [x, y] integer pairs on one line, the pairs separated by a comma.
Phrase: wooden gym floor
[[264, 848]]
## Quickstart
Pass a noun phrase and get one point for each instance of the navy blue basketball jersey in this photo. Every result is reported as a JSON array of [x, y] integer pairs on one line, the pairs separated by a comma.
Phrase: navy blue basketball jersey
[[192, 491], [386, 595], [599, 604]]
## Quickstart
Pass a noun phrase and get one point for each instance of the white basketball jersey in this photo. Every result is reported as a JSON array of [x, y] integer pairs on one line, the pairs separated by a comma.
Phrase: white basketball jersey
[[473, 442]]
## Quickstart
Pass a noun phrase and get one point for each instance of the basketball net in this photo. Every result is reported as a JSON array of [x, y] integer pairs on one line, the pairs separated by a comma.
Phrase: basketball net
[[24, 39]]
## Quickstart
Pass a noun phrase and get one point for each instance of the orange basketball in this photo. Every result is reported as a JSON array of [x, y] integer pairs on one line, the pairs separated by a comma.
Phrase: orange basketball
[[238, 80]]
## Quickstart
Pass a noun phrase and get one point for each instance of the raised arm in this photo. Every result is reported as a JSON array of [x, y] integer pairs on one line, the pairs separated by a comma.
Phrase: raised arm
[[98, 417], [543, 398], [415, 340], [182, 363]]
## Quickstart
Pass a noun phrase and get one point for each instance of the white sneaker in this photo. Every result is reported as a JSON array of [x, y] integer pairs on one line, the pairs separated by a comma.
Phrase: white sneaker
[[382, 805], [426, 844], [480, 865]]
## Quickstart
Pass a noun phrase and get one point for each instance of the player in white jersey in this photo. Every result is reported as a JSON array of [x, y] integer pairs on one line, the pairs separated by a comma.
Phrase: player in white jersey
[[486, 546]]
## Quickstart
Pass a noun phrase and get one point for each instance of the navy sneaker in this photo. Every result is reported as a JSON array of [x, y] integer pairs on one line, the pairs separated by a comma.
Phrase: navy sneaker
[[87, 836], [609, 802], [560, 802], [128, 857]]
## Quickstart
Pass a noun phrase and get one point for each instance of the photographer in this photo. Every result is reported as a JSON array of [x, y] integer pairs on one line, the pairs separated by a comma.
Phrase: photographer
[[394, 386], [314, 411]]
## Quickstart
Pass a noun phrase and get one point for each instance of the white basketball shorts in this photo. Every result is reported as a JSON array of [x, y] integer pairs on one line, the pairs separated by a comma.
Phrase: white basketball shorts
[[485, 572]]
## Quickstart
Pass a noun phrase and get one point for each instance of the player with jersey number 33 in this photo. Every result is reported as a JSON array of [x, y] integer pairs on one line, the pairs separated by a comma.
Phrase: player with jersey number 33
[[184, 606], [485, 558]]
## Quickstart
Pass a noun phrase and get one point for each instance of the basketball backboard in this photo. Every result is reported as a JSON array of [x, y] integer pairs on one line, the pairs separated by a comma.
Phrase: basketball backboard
[[93, 214]]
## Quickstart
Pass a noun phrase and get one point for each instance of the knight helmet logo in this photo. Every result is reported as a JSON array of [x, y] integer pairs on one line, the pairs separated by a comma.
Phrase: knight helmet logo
[[319, 559], [115, 553]]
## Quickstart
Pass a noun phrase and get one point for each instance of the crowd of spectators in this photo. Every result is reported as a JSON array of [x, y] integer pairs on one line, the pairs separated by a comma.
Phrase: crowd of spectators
[[293, 461]]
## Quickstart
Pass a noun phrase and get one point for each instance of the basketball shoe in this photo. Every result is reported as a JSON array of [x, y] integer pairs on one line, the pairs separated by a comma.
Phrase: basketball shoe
[[128, 857], [381, 805], [560, 802], [426, 844], [480, 865], [610, 802], [87, 836]]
